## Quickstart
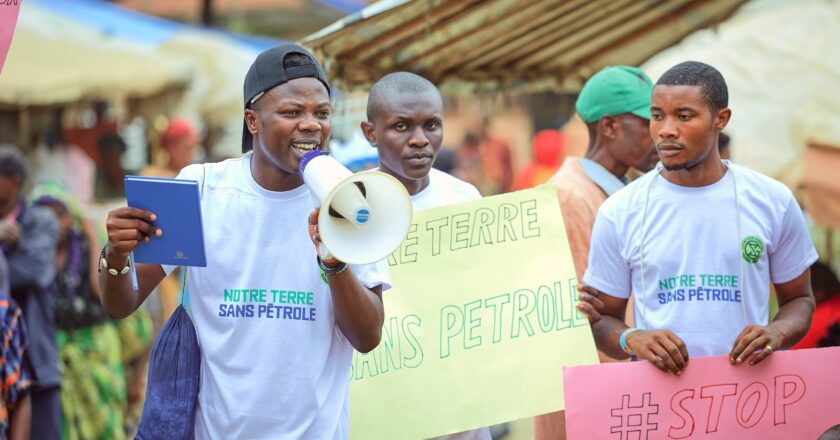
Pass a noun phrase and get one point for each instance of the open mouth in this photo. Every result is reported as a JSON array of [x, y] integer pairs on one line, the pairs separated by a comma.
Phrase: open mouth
[[305, 147]]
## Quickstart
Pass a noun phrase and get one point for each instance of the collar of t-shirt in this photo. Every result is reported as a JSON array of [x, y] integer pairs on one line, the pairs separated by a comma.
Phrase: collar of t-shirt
[[423, 193], [601, 177], [293, 193]]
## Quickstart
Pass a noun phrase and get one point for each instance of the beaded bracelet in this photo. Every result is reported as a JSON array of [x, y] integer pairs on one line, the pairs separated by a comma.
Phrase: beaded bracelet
[[341, 267], [623, 340], [103, 264]]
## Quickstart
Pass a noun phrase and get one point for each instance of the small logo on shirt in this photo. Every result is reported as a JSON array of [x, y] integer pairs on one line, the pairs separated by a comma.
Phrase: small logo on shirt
[[751, 249]]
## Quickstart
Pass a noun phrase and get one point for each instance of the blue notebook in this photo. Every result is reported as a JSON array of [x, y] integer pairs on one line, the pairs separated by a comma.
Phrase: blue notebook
[[176, 204]]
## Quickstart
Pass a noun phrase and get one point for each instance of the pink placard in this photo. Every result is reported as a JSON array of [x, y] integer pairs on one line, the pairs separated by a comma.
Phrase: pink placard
[[8, 19], [792, 395]]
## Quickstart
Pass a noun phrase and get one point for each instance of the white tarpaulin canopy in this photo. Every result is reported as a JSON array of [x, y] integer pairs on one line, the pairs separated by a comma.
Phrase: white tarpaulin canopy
[[67, 51], [53, 60], [781, 61]]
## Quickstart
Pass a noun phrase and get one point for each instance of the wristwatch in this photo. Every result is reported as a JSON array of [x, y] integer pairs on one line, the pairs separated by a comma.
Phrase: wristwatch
[[103, 264]]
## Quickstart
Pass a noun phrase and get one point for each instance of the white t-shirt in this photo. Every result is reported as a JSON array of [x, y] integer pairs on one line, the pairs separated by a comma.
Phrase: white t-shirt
[[274, 364], [443, 190], [695, 248]]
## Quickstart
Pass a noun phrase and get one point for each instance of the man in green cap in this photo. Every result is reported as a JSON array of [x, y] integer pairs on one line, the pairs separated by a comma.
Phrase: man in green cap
[[615, 106]]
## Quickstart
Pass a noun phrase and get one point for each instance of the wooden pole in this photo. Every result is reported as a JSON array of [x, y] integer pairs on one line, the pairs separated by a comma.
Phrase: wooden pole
[[207, 17]]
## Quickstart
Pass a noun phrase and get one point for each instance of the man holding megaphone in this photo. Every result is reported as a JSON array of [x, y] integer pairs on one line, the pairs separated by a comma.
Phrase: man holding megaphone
[[277, 324], [405, 124]]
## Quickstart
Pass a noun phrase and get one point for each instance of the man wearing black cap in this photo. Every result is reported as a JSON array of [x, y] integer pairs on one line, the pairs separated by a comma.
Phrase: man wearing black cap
[[276, 324]]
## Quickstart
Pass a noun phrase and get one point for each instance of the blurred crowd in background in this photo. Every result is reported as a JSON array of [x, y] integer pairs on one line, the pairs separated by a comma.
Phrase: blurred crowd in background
[[63, 161]]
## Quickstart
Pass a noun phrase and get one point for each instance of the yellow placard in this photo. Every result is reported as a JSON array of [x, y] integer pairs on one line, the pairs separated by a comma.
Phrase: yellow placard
[[479, 322]]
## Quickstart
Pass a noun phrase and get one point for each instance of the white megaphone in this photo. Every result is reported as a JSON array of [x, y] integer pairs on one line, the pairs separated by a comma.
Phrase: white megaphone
[[364, 216]]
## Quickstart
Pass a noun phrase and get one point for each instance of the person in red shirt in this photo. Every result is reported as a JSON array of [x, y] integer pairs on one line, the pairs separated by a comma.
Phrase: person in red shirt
[[826, 289], [549, 150]]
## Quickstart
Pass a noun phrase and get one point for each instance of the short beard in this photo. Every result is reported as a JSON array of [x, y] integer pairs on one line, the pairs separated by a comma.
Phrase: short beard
[[686, 165], [676, 166]]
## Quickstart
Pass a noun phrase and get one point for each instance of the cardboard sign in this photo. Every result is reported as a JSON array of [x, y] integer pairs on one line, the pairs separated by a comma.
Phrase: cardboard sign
[[479, 322], [791, 395]]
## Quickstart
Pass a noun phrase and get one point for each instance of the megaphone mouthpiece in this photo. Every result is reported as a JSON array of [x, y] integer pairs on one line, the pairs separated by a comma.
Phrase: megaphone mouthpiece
[[304, 161]]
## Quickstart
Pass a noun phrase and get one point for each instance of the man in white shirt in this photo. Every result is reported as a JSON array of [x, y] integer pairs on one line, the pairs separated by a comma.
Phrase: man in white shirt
[[276, 324], [405, 124], [698, 241]]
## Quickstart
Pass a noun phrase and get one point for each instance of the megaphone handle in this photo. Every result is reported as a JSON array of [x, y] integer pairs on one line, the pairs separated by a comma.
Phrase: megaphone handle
[[325, 253]]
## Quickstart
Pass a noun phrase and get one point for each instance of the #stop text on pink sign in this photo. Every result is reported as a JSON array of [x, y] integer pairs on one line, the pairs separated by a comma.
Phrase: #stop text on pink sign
[[791, 395]]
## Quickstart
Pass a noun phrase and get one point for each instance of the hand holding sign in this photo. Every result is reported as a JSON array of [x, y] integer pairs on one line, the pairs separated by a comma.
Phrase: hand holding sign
[[662, 348], [755, 343], [589, 304]]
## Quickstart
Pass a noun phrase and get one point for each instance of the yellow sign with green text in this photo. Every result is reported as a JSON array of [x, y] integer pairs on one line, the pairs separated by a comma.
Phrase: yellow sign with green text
[[479, 322]]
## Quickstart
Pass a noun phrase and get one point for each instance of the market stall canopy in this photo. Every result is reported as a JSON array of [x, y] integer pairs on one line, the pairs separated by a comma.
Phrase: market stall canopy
[[216, 90], [113, 20], [216, 59], [538, 44], [219, 58], [53, 60], [120, 22]]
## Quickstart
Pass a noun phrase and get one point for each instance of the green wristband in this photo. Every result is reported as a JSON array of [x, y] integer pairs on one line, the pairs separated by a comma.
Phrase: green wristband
[[342, 266]]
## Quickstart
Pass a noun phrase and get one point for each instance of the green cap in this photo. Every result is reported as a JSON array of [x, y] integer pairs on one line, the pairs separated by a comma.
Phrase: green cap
[[613, 91]]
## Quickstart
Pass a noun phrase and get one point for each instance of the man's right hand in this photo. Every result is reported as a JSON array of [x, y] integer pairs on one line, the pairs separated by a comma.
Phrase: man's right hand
[[661, 347], [589, 303], [126, 228], [9, 233]]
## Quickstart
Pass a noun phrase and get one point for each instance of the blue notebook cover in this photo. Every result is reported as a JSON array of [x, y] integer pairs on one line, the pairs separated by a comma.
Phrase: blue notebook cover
[[176, 204]]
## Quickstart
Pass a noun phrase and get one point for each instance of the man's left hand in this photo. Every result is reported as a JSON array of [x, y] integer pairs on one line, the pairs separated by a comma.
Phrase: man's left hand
[[755, 343]]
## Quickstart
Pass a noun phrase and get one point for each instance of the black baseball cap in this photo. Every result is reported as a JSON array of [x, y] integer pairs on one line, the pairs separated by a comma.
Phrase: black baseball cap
[[268, 72]]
